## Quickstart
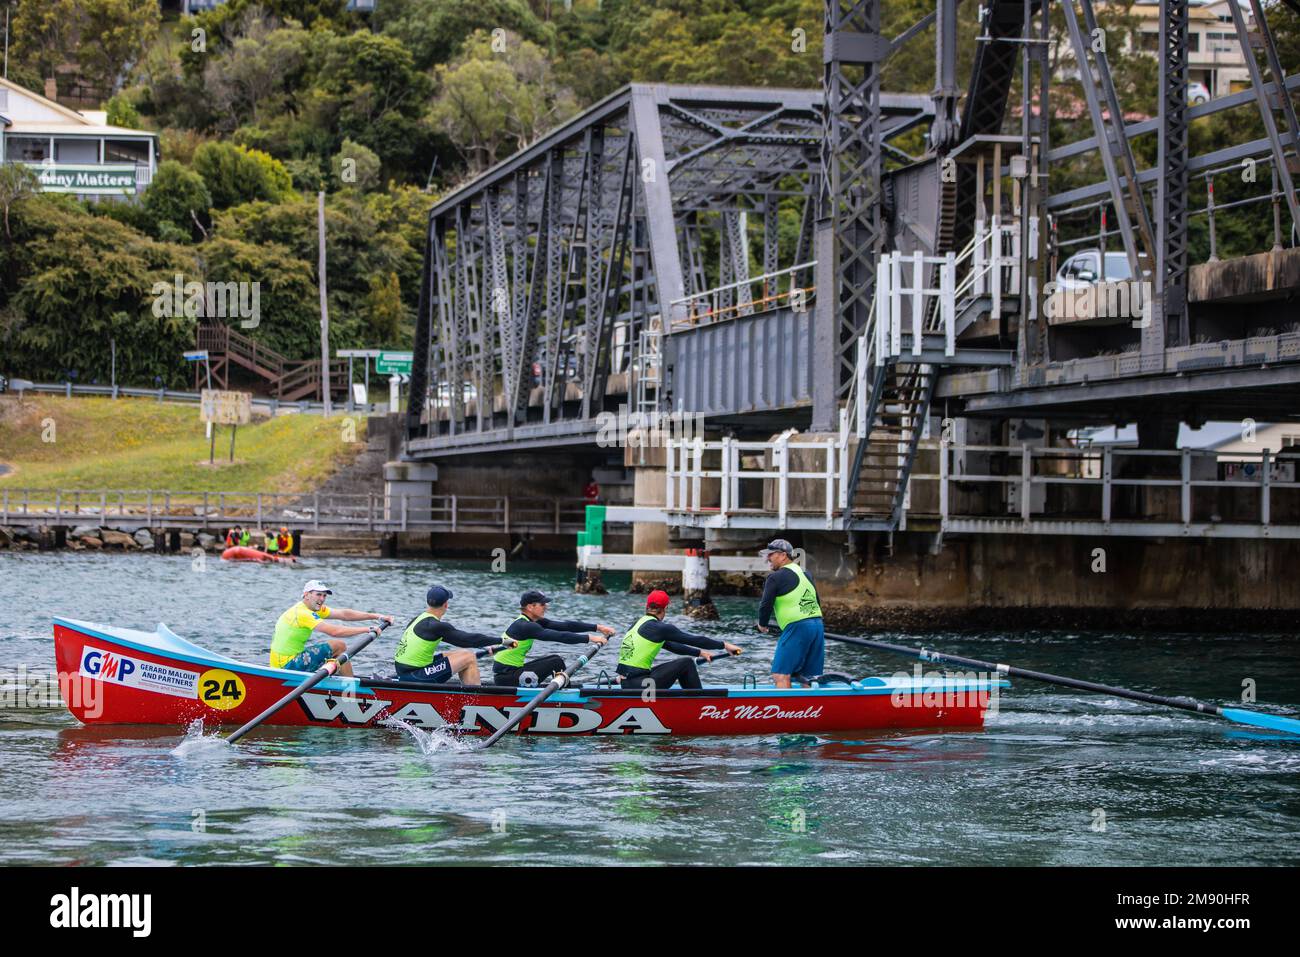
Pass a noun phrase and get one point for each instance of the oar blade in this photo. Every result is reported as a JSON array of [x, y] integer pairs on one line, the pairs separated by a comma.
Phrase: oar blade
[[1260, 719]]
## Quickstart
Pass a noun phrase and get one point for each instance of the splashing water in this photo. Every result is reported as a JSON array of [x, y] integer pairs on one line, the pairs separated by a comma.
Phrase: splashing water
[[431, 742], [196, 743]]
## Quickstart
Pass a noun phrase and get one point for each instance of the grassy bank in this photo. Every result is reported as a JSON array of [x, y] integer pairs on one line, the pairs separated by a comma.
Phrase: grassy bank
[[94, 443]]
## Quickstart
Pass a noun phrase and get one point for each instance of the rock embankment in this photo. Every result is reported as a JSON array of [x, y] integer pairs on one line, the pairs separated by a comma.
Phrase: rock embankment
[[94, 538]]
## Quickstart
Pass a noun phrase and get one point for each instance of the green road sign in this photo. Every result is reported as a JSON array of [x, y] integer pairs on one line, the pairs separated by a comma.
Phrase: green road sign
[[393, 363]]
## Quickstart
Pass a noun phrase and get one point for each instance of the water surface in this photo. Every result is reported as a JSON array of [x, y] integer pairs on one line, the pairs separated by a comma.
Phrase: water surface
[[1056, 777]]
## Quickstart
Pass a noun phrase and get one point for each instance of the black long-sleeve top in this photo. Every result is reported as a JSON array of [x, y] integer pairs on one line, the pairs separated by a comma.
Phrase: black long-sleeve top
[[675, 640], [434, 629], [780, 582], [544, 629]]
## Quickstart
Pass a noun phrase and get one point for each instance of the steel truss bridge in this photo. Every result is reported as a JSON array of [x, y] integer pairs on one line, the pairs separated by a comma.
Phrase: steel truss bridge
[[856, 264]]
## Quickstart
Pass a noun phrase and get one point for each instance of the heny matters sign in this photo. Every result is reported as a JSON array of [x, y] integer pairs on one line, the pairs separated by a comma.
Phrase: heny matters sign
[[91, 178]]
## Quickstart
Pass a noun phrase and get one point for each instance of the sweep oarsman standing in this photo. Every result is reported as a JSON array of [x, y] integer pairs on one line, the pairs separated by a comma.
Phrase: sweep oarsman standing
[[418, 658], [792, 598], [650, 635], [533, 625]]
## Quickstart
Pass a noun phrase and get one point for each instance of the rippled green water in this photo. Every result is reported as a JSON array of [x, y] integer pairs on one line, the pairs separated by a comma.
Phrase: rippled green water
[[1032, 788]]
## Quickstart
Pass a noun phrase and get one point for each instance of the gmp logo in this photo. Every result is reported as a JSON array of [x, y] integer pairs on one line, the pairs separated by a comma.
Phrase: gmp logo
[[106, 666]]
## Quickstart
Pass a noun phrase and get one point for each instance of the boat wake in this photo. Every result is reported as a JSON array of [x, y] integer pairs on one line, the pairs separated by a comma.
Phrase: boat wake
[[197, 744], [430, 742]]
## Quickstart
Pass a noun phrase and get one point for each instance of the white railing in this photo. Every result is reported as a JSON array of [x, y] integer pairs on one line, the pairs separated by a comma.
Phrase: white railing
[[694, 464], [773, 290], [892, 276], [1066, 491]]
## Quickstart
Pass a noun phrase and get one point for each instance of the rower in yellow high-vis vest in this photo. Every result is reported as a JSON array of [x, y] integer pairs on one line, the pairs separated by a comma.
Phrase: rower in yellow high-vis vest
[[533, 625], [650, 635], [791, 596]]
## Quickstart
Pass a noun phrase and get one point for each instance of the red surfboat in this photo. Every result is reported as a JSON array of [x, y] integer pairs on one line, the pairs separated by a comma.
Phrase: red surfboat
[[113, 675], [243, 553]]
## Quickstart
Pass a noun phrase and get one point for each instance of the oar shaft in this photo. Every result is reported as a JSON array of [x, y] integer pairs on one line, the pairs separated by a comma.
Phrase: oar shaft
[[553, 686], [329, 668], [1185, 704]]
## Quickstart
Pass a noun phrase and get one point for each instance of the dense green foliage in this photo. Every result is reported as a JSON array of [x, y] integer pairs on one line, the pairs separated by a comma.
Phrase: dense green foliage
[[261, 104]]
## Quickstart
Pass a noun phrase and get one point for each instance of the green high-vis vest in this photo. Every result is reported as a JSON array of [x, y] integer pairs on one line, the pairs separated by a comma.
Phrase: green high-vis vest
[[638, 651], [414, 651], [798, 603], [516, 656]]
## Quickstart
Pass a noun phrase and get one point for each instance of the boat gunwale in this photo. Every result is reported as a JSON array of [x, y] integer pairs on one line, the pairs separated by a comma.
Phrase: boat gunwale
[[572, 694]]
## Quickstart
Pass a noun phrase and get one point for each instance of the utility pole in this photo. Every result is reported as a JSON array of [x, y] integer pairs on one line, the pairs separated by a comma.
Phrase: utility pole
[[324, 306], [7, 41]]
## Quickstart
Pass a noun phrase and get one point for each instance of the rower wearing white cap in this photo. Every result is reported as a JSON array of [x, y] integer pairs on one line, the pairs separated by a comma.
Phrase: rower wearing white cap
[[290, 648]]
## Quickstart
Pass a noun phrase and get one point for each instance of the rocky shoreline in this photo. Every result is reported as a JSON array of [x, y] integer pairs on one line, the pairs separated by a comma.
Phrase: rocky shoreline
[[96, 538]]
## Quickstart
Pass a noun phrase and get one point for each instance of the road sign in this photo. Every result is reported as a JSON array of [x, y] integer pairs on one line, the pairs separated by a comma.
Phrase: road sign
[[394, 363], [196, 355], [225, 408]]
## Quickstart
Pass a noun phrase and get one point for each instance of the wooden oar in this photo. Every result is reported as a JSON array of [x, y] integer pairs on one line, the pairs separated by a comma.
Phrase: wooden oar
[[555, 684], [1258, 719], [323, 672]]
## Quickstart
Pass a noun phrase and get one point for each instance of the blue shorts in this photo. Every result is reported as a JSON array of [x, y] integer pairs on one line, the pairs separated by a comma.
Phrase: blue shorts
[[801, 649], [438, 671], [310, 658]]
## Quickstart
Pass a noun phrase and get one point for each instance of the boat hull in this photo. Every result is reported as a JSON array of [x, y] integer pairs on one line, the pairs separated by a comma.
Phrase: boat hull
[[242, 553], [119, 676]]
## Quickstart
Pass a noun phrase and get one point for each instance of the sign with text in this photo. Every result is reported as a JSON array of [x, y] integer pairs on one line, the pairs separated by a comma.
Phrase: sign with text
[[394, 363], [225, 408], [119, 178]]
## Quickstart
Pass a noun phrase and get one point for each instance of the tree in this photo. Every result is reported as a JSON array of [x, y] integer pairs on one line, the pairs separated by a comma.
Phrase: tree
[[356, 166], [235, 174], [83, 279], [17, 185], [122, 112], [500, 93], [178, 196], [435, 31], [103, 37], [384, 310], [257, 71]]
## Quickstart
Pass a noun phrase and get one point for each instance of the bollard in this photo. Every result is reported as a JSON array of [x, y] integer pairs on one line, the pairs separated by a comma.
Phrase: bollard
[[589, 581], [695, 585]]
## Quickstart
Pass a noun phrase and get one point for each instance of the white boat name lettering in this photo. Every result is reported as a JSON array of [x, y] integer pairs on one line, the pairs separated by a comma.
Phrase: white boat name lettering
[[478, 717]]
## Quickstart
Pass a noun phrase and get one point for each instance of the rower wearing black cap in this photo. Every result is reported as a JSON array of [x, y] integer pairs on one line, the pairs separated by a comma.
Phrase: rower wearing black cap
[[418, 658], [533, 625]]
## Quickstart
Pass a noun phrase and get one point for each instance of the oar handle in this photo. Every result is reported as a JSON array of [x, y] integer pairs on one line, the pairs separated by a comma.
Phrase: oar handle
[[324, 671], [701, 660]]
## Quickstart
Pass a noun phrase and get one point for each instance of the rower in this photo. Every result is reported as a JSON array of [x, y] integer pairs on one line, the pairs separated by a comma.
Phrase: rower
[[533, 625], [788, 592], [650, 635], [418, 658], [289, 649]]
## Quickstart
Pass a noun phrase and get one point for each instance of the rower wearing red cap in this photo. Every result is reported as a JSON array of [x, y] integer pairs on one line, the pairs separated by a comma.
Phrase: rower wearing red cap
[[643, 642]]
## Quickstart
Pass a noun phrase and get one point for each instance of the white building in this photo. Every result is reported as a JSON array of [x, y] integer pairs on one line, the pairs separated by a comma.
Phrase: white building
[[71, 151]]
